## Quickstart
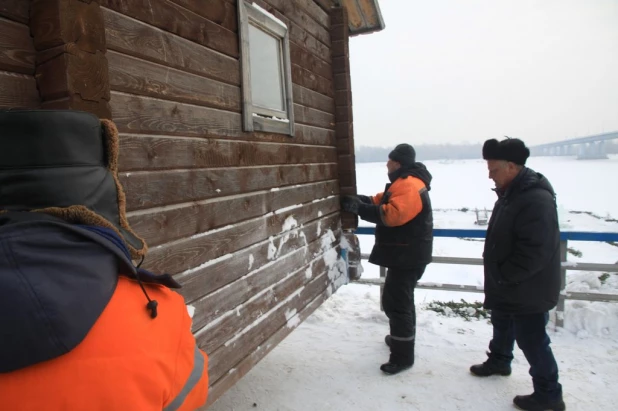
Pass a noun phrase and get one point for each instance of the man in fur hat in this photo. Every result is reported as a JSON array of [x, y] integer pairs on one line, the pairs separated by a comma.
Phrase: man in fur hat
[[82, 328], [522, 272], [403, 244]]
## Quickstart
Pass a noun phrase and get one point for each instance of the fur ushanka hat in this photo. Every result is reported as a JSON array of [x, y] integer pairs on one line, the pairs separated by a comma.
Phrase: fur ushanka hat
[[64, 163]]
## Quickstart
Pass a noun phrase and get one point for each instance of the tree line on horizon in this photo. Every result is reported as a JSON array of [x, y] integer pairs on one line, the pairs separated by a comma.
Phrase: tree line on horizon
[[425, 152]]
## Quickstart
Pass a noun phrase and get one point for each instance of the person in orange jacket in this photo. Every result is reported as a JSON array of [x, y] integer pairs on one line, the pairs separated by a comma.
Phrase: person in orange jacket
[[403, 243], [81, 327]]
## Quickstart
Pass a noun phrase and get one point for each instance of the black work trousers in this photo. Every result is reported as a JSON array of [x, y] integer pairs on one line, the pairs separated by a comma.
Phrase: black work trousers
[[398, 304]]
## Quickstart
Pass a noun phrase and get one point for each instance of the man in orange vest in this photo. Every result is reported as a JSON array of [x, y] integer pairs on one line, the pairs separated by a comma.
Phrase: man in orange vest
[[82, 328]]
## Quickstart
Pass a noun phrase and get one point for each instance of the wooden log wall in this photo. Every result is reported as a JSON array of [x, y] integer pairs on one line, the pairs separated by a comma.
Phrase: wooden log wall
[[343, 112], [247, 222], [17, 57]]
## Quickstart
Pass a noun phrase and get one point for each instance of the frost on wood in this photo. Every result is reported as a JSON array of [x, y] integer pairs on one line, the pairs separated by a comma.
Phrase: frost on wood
[[292, 319], [251, 261]]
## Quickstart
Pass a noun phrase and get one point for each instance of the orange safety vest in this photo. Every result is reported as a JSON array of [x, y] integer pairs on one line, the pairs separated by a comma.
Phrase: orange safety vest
[[127, 362]]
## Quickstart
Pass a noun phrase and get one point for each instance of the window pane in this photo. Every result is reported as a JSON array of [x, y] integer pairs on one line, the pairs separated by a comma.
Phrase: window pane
[[266, 76]]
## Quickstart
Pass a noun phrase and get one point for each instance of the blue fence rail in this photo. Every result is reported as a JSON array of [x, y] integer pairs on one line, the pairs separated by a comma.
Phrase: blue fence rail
[[565, 237]]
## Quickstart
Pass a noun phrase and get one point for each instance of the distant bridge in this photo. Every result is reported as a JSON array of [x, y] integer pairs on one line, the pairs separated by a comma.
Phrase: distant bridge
[[588, 148]]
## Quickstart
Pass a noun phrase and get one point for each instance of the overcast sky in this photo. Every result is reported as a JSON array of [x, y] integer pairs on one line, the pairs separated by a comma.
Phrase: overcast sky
[[467, 70]]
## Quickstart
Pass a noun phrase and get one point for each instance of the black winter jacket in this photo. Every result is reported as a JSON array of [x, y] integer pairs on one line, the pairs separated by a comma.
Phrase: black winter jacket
[[521, 256]]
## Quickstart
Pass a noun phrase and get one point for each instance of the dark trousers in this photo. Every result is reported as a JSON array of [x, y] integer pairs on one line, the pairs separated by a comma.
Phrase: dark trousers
[[398, 304], [529, 332]]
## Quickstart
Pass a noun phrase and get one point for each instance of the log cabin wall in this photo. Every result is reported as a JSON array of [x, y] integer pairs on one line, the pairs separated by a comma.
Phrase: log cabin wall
[[17, 57], [248, 222]]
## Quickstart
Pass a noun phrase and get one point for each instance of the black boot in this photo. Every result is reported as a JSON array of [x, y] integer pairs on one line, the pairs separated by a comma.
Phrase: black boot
[[390, 368], [490, 368], [387, 340], [535, 403]]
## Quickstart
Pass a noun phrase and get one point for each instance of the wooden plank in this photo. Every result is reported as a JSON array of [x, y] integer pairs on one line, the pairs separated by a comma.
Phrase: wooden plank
[[18, 91], [231, 354], [310, 80], [138, 152], [178, 20], [135, 114], [242, 368], [201, 284], [17, 52], [305, 59], [192, 252], [313, 117], [251, 309], [140, 77], [142, 40], [159, 188], [310, 98], [218, 11], [239, 289], [16, 10], [171, 223], [294, 11]]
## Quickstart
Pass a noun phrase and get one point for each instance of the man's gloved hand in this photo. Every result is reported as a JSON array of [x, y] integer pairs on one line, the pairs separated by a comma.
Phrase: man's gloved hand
[[350, 204]]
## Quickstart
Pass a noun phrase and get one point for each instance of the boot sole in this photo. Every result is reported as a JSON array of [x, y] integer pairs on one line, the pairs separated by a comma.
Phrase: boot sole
[[500, 374], [546, 409]]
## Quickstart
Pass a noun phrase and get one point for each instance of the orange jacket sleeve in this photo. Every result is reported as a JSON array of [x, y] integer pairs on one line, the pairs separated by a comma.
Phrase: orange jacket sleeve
[[190, 383], [404, 202]]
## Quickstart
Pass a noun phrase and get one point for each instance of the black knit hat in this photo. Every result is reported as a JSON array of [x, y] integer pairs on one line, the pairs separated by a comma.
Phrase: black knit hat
[[510, 149], [404, 154]]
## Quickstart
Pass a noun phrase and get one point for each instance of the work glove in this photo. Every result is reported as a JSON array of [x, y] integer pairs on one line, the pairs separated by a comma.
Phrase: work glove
[[350, 204]]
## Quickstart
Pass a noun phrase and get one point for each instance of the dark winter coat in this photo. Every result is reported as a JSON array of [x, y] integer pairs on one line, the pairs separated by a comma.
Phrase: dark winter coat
[[403, 218], [521, 256]]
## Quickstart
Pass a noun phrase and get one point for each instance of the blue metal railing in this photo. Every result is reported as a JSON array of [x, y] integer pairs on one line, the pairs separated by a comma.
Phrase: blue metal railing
[[565, 237], [474, 233]]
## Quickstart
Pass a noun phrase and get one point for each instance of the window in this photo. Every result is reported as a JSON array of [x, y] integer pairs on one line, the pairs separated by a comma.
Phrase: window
[[266, 71]]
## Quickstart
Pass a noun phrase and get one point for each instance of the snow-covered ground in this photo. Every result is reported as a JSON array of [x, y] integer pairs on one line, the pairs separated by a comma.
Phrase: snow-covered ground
[[331, 362]]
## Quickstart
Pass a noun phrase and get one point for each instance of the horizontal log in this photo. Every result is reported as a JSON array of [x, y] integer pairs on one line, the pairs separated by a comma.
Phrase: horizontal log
[[307, 79], [129, 36], [326, 5], [217, 306], [243, 367], [202, 282], [178, 20], [160, 188], [218, 11], [246, 313], [17, 52], [193, 252], [307, 60], [144, 78], [313, 99], [16, 10], [167, 224], [137, 115], [18, 91], [140, 152], [294, 11], [231, 354], [313, 117]]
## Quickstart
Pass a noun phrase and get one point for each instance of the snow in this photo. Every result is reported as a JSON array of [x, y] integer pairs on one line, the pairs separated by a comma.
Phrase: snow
[[285, 209], [331, 361], [251, 261]]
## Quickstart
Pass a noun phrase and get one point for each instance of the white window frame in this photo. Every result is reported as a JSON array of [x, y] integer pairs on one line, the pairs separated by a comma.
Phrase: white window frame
[[256, 118]]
